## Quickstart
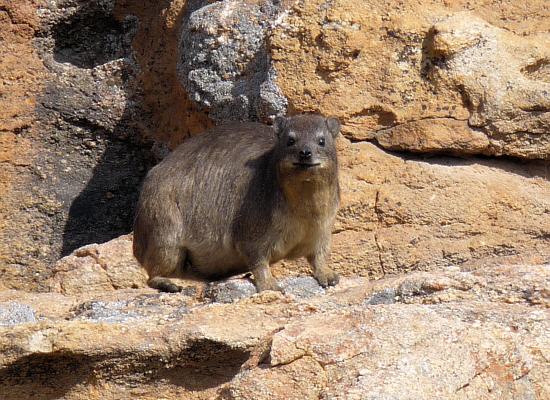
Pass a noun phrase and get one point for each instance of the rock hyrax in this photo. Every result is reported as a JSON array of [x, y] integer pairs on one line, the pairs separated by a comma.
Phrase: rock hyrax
[[238, 198]]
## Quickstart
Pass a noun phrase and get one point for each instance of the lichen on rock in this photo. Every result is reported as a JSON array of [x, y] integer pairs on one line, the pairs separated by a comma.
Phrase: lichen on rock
[[224, 63]]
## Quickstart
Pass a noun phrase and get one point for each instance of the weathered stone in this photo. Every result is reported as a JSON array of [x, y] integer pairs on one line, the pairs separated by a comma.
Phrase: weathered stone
[[21, 78], [224, 64], [111, 79], [103, 267], [83, 82], [229, 290], [456, 333], [488, 65], [12, 313], [301, 287], [72, 169], [421, 76]]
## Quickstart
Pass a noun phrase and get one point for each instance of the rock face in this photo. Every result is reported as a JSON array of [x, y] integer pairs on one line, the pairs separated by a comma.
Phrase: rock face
[[442, 239], [73, 178], [422, 76], [102, 89], [425, 214], [477, 333], [496, 74], [92, 268]]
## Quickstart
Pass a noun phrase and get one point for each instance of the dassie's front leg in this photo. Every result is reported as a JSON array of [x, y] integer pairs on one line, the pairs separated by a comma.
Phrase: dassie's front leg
[[263, 278], [318, 261]]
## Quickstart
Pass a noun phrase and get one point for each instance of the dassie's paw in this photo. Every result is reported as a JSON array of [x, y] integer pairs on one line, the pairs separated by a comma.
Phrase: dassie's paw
[[327, 277], [268, 285], [170, 288], [165, 285]]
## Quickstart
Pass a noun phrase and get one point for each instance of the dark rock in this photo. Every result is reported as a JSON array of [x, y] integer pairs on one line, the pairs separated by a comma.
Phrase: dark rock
[[91, 115], [386, 296], [224, 64]]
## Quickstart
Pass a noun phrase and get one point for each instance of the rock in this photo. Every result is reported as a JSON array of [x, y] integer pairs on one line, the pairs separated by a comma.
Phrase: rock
[[233, 289], [302, 287], [78, 86], [364, 357], [423, 136], [103, 267], [169, 115], [122, 311], [421, 76], [444, 260], [224, 64], [386, 296], [456, 333], [230, 290], [493, 69], [94, 83], [12, 313], [21, 73]]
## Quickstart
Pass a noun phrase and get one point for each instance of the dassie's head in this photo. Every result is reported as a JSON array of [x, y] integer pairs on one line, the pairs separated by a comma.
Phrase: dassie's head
[[306, 145]]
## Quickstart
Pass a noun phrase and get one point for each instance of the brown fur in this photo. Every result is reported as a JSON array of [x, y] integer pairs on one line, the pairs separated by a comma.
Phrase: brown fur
[[239, 198]]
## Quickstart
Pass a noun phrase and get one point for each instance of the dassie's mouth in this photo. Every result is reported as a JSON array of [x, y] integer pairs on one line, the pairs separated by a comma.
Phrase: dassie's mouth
[[306, 165]]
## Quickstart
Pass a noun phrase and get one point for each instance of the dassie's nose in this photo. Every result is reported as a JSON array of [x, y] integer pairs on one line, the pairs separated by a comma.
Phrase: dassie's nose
[[305, 154]]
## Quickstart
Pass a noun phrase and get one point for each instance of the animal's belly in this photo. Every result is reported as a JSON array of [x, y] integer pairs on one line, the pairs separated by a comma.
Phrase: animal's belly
[[216, 260]]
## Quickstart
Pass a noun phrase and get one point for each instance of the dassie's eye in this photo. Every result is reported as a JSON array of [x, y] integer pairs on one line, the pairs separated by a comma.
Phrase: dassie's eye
[[322, 142], [290, 141]]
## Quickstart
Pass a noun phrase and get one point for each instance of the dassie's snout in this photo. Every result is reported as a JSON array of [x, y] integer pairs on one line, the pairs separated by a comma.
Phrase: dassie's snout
[[305, 154]]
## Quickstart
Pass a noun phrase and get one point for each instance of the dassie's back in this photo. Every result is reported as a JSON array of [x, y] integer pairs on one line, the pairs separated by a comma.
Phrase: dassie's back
[[196, 192]]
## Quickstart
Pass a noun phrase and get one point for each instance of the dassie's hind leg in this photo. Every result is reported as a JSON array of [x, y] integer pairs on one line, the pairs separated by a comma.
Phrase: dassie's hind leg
[[163, 264]]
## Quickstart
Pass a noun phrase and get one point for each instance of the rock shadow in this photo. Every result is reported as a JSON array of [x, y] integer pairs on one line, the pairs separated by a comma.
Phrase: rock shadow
[[90, 38], [104, 208], [45, 376], [205, 364], [526, 168], [98, 164]]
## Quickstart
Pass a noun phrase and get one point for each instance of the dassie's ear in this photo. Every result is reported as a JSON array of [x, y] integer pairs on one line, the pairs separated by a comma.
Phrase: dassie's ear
[[333, 126], [279, 124]]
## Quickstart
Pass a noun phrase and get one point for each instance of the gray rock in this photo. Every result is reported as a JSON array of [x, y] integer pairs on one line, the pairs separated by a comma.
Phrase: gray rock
[[169, 306], [108, 312], [13, 313], [386, 296], [223, 62], [302, 287], [230, 290]]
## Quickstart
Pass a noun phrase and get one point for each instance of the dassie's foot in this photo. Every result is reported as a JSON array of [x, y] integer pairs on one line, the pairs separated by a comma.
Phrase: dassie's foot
[[327, 277], [268, 284], [164, 285]]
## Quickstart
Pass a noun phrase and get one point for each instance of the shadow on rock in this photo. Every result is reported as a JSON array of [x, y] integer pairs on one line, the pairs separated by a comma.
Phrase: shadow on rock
[[205, 364], [104, 209], [92, 108], [51, 375]]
